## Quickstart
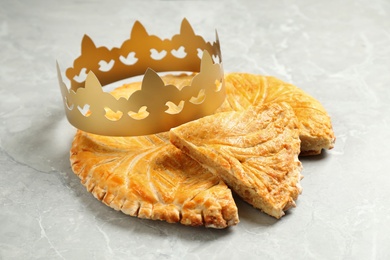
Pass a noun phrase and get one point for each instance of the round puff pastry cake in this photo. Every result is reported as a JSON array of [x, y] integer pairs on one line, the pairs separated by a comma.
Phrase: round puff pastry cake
[[315, 128], [148, 177]]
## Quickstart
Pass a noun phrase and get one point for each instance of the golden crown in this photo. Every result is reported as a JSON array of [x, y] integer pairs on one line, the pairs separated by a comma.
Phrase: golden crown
[[137, 56]]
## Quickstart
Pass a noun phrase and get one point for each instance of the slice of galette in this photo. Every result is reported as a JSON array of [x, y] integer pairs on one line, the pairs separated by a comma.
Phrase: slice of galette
[[254, 151]]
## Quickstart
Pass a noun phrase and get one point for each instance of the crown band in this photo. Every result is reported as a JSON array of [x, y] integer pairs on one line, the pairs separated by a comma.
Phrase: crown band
[[181, 53]]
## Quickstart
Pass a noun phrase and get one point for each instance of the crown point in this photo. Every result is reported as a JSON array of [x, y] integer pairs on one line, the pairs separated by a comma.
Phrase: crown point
[[206, 61], [138, 30], [87, 44], [151, 78], [58, 70], [63, 87], [59, 76], [186, 27], [92, 82]]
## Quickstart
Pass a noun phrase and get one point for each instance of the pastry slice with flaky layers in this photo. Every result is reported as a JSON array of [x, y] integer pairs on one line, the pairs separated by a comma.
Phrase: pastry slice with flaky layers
[[254, 151]]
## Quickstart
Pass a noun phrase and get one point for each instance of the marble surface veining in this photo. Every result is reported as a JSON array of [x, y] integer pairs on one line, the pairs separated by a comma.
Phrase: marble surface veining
[[337, 51]]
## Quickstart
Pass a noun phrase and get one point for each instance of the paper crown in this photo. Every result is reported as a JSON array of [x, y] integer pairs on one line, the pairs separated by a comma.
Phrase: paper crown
[[136, 57]]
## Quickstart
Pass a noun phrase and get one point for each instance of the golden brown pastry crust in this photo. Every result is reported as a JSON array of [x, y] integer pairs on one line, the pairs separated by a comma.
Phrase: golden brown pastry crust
[[148, 177], [255, 152], [315, 128]]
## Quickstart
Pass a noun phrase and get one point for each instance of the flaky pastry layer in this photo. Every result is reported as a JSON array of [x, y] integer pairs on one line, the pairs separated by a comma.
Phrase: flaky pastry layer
[[254, 151]]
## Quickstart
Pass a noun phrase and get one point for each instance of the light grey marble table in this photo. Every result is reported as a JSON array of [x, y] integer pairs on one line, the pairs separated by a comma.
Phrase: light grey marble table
[[337, 51]]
